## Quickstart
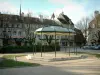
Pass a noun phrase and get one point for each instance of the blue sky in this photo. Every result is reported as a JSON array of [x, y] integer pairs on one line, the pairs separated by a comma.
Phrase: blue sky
[[74, 9]]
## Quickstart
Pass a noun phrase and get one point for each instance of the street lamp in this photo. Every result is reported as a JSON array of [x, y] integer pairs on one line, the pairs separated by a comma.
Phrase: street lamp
[[69, 34]]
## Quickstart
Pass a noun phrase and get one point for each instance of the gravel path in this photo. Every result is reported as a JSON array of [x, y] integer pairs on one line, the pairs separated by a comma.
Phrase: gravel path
[[73, 67], [88, 66]]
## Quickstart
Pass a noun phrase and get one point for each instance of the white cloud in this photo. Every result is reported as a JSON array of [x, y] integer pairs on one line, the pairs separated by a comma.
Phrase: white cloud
[[72, 9], [7, 7], [64, 2]]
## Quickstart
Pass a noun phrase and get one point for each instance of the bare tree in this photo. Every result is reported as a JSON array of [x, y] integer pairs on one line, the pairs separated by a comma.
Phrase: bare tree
[[28, 29], [94, 24], [98, 37], [83, 25]]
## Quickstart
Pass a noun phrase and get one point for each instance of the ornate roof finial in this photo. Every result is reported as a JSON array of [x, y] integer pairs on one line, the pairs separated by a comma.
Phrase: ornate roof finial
[[20, 9], [62, 12]]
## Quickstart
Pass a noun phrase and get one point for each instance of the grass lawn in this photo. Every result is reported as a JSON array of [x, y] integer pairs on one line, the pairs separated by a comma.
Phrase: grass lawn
[[97, 55], [12, 56], [8, 62]]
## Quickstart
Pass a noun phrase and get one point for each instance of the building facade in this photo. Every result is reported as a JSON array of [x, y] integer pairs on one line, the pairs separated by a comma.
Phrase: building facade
[[94, 29], [66, 22], [15, 29]]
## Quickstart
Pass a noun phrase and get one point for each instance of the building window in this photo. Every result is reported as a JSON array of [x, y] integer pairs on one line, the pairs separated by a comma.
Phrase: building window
[[19, 33], [0, 25], [16, 19], [10, 25], [9, 33], [27, 25], [17, 25], [93, 25], [20, 25], [4, 33], [1, 34], [14, 32], [99, 25], [4, 25]]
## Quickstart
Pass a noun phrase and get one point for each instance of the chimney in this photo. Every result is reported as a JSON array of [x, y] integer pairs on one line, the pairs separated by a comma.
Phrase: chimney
[[20, 11], [22, 14], [96, 13], [41, 18]]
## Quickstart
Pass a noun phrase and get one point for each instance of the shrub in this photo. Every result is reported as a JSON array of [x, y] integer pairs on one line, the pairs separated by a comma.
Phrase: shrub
[[20, 49]]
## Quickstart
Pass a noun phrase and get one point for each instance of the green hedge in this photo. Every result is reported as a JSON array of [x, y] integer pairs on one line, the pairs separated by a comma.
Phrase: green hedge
[[20, 49]]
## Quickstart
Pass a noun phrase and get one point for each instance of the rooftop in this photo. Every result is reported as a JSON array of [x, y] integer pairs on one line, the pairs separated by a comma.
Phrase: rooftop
[[28, 20]]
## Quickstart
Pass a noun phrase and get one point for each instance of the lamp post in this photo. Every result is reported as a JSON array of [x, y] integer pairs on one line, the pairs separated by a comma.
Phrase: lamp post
[[55, 43], [69, 34], [75, 49], [74, 42], [41, 43]]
